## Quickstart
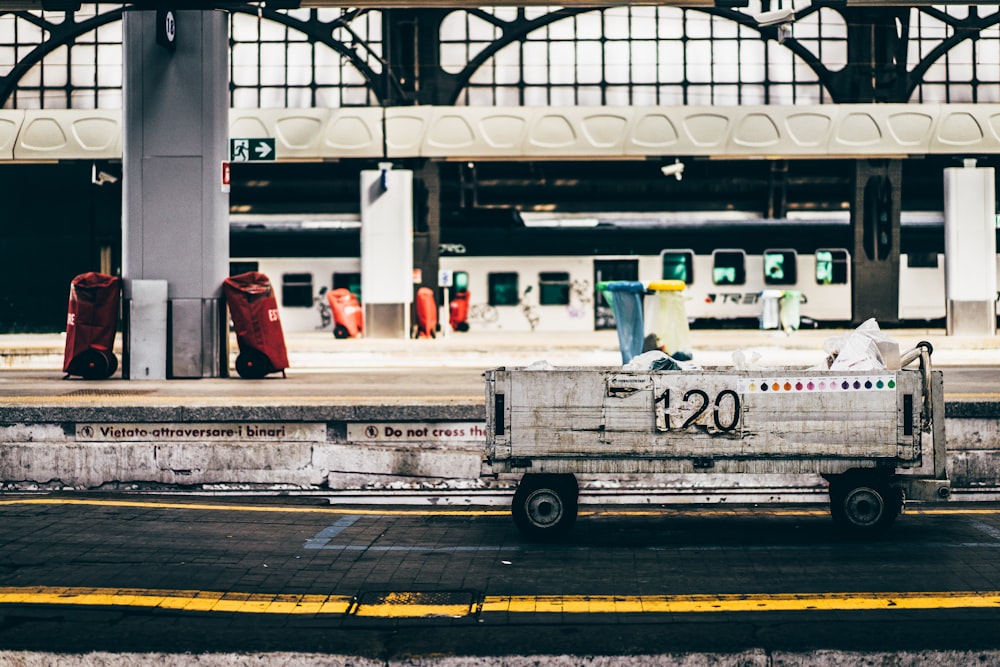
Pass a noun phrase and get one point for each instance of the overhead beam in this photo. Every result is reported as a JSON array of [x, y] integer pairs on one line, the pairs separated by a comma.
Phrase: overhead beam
[[73, 5], [549, 133]]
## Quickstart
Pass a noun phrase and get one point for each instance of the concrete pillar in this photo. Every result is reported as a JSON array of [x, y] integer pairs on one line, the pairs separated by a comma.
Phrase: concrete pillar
[[144, 323], [970, 267], [875, 213], [176, 216], [387, 251], [427, 237]]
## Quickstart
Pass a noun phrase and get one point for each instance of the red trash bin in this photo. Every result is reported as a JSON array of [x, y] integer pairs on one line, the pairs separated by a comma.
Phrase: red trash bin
[[427, 315], [348, 317], [458, 311], [91, 323], [254, 311]]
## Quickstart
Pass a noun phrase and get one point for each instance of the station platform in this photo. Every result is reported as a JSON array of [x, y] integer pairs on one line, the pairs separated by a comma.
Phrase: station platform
[[377, 415], [485, 349], [445, 370]]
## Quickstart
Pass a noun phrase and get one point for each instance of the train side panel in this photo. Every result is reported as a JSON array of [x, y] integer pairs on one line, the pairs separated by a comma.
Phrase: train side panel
[[532, 306], [291, 277], [565, 303], [921, 290], [709, 301]]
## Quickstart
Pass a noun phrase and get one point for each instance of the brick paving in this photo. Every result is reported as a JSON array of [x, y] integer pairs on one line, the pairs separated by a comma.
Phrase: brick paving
[[461, 581]]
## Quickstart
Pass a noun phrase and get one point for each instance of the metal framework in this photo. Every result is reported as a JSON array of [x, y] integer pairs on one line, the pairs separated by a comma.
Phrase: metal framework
[[537, 56]]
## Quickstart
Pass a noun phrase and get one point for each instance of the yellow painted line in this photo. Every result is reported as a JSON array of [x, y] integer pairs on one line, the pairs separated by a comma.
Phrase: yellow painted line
[[688, 604], [187, 600], [283, 400], [945, 511], [414, 611], [409, 605], [251, 508], [357, 511], [286, 400], [961, 395]]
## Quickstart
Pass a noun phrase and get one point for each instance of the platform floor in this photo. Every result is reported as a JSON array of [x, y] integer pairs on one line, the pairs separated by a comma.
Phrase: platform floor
[[320, 350], [447, 368]]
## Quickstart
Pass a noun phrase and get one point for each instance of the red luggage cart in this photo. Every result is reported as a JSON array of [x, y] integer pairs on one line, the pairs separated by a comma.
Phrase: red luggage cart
[[348, 318], [91, 323], [427, 315], [458, 311], [254, 312]]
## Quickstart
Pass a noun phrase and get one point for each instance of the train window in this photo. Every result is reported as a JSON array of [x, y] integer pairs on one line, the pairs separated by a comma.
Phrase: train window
[[348, 281], [553, 288], [678, 265], [779, 267], [236, 268], [831, 267], [729, 267], [922, 260], [503, 289], [297, 290], [460, 282]]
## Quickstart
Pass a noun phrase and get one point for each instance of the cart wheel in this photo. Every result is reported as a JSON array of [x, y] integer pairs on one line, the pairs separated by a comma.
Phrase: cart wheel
[[94, 364], [251, 365], [114, 363], [462, 326], [545, 505], [340, 331], [864, 504]]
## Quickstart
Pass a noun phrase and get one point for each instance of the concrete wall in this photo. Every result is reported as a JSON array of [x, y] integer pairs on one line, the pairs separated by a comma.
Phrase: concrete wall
[[304, 449]]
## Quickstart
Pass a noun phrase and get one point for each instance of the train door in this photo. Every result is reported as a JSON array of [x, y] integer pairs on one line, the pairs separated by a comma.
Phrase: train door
[[610, 269], [349, 281]]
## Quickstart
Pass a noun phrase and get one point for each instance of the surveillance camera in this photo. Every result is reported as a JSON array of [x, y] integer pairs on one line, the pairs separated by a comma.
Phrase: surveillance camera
[[676, 169], [100, 177], [776, 17]]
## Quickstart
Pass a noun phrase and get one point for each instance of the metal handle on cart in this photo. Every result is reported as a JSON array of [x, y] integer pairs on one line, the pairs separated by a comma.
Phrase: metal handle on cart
[[922, 351], [917, 352]]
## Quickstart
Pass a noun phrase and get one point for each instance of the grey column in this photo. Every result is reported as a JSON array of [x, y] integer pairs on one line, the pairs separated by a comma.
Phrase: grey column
[[427, 241], [875, 213], [176, 216]]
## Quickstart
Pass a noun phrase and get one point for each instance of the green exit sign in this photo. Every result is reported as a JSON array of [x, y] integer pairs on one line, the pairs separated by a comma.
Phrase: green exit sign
[[252, 150]]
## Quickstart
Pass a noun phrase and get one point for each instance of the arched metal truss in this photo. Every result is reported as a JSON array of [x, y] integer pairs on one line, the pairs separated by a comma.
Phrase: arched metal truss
[[878, 43], [61, 33]]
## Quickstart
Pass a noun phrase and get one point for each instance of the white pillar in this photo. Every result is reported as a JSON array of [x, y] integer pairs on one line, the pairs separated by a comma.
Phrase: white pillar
[[387, 251], [970, 265]]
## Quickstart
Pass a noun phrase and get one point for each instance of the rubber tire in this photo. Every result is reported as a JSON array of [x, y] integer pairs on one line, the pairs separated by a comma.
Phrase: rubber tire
[[340, 331], [251, 365], [94, 364], [864, 504], [545, 505]]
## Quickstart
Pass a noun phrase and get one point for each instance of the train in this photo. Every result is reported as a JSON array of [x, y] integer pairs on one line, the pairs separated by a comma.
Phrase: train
[[535, 271]]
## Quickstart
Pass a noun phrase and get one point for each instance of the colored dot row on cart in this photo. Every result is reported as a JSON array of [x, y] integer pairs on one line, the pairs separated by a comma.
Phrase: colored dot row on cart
[[774, 385]]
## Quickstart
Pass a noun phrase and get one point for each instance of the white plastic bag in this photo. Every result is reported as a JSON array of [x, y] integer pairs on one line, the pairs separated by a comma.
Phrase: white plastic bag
[[644, 361], [658, 360], [745, 360], [867, 348]]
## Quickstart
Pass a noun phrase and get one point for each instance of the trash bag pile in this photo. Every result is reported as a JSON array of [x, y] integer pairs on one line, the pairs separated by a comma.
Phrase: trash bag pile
[[658, 360], [867, 348]]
